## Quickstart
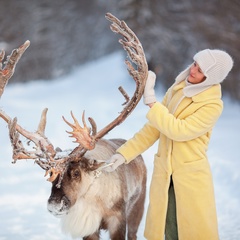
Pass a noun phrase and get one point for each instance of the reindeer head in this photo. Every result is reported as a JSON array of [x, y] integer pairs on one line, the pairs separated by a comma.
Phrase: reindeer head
[[76, 181], [55, 163], [80, 179]]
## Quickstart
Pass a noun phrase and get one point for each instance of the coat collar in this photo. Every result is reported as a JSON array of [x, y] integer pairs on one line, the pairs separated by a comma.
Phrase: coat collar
[[214, 92]]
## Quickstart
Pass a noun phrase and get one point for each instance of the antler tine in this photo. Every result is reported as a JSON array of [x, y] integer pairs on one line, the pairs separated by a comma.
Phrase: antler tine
[[82, 134], [2, 54], [12, 60], [19, 151], [130, 43], [42, 123], [43, 146]]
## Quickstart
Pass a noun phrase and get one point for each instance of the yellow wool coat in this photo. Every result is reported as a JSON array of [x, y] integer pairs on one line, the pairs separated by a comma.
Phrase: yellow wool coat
[[183, 127]]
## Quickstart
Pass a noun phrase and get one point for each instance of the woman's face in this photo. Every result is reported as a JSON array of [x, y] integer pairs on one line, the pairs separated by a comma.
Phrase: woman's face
[[196, 75]]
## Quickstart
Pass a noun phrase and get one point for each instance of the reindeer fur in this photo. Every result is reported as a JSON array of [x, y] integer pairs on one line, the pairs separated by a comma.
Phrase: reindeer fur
[[113, 201]]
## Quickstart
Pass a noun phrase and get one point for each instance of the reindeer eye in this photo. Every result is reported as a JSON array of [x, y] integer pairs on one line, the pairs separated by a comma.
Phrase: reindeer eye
[[76, 173]]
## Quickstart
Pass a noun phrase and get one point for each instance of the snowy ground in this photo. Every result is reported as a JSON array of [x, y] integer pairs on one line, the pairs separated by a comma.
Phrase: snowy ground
[[93, 87]]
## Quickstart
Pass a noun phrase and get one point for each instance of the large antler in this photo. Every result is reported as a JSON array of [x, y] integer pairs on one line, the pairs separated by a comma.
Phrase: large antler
[[43, 148], [53, 162], [135, 52]]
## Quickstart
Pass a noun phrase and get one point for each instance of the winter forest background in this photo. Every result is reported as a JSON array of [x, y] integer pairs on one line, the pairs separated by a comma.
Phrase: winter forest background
[[66, 33], [75, 63]]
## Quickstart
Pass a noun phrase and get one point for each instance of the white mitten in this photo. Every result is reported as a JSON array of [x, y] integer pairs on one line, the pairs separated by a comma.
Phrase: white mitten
[[149, 93], [116, 160]]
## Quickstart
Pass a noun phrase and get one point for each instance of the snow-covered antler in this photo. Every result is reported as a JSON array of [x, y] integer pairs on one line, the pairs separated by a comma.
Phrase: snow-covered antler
[[43, 148]]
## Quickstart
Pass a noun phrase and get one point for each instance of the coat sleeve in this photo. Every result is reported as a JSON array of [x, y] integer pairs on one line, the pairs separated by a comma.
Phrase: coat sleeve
[[193, 126], [139, 143], [142, 140]]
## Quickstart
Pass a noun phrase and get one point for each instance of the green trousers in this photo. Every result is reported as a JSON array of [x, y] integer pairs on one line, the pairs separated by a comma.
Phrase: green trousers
[[171, 231]]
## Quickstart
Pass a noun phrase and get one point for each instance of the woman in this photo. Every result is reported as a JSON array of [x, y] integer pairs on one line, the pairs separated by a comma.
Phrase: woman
[[183, 124]]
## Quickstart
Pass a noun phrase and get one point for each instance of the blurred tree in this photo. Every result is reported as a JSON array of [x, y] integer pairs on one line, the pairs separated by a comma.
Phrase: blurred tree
[[63, 34]]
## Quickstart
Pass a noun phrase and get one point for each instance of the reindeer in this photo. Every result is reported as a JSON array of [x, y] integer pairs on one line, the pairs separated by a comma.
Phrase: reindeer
[[86, 198]]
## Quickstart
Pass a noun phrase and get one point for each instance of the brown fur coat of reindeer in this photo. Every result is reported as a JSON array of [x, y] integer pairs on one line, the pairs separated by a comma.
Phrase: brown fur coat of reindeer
[[86, 198], [87, 203]]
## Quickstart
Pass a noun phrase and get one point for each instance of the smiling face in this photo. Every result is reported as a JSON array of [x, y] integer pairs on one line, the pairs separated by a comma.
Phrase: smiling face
[[196, 75]]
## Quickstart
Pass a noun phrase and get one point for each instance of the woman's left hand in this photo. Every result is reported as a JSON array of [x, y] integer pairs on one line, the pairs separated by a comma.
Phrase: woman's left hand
[[149, 93]]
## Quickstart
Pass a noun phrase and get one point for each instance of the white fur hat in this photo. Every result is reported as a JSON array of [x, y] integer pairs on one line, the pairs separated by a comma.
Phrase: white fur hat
[[215, 65]]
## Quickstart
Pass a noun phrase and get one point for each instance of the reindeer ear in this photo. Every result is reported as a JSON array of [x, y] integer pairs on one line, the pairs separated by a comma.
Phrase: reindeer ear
[[89, 165], [96, 164]]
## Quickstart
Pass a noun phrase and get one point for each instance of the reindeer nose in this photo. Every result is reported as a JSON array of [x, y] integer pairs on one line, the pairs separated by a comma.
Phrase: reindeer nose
[[58, 206]]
